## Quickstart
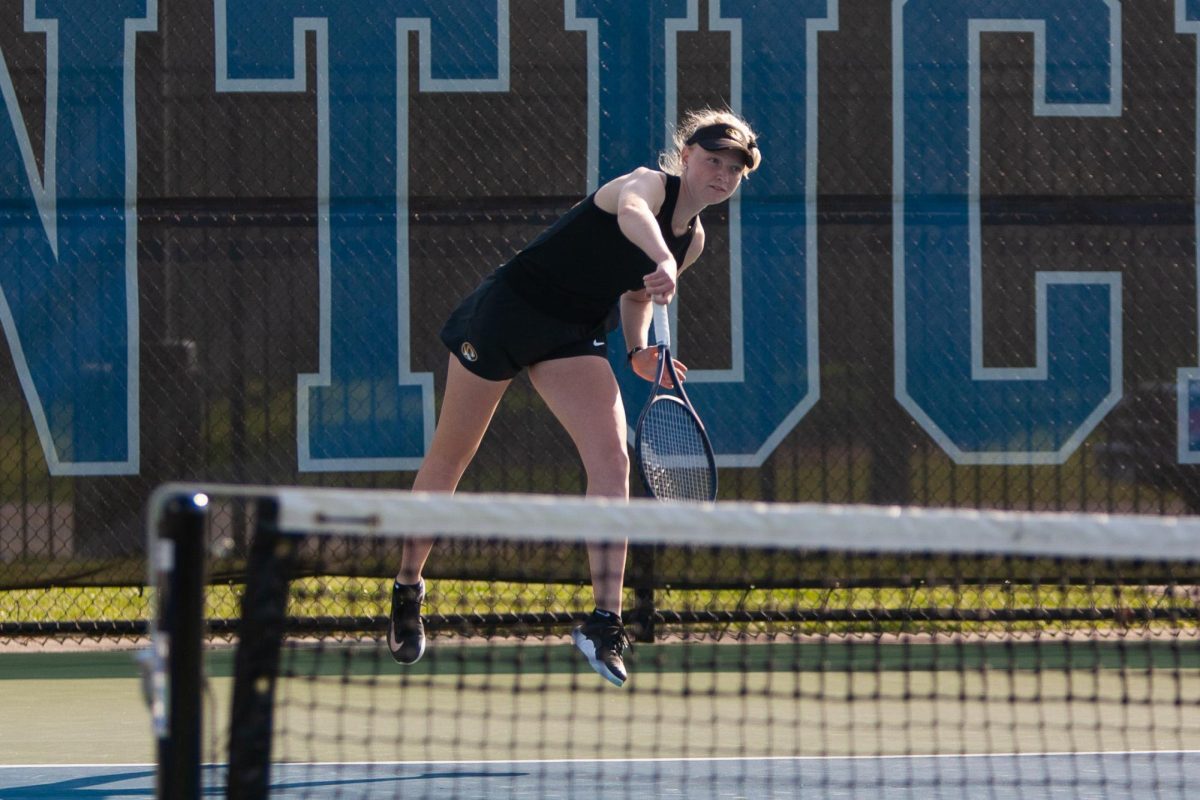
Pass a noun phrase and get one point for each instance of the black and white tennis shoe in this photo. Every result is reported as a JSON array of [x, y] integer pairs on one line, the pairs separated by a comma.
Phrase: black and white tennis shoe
[[406, 631], [602, 640]]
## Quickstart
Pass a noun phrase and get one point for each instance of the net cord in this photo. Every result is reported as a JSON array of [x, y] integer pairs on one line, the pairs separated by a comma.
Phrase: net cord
[[860, 528]]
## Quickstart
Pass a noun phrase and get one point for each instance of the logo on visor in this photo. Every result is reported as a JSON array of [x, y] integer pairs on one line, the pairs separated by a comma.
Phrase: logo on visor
[[468, 352]]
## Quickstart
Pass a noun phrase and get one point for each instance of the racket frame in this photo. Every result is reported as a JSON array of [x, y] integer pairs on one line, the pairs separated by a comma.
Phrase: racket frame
[[660, 394]]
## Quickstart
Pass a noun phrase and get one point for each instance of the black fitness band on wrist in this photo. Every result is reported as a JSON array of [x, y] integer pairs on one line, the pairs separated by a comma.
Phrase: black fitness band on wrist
[[629, 356]]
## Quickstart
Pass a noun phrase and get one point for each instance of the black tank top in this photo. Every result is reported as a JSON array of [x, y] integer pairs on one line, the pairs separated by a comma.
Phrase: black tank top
[[579, 267]]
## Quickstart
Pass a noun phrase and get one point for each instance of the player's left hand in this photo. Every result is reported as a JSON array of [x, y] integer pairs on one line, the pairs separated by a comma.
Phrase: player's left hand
[[645, 363]]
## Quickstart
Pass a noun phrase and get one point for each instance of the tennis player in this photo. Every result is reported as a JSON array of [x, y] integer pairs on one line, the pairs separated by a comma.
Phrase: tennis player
[[546, 310]]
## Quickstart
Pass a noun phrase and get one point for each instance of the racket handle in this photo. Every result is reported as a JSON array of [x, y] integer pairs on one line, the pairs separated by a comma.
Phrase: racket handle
[[662, 325]]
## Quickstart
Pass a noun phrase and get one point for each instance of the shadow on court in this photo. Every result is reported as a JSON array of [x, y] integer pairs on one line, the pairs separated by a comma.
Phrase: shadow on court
[[1048, 776], [28, 783], [93, 783]]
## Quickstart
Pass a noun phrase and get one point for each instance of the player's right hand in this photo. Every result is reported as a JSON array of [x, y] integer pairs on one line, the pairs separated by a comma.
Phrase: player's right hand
[[661, 283]]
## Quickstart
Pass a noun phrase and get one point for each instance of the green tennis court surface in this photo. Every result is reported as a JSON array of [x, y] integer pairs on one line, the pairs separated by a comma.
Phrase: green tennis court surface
[[72, 707], [531, 721], [538, 700]]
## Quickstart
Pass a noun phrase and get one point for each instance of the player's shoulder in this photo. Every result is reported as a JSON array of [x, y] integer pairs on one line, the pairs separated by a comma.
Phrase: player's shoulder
[[646, 173], [650, 184], [643, 181], [641, 178], [652, 179]]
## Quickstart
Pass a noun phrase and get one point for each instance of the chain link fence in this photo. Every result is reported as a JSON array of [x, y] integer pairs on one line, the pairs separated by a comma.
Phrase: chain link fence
[[244, 275]]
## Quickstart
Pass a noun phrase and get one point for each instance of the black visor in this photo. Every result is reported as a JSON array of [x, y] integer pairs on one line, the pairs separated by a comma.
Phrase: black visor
[[725, 137]]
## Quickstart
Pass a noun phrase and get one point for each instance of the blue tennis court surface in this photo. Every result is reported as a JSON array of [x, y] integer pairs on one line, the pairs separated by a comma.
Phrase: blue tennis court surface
[[1087, 776]]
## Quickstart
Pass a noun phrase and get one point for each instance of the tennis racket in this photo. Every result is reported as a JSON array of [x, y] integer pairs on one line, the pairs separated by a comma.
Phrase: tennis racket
[[674, 457]]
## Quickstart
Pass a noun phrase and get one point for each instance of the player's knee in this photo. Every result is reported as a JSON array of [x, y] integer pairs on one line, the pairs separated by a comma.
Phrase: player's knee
[[608, 467], [442, 473]]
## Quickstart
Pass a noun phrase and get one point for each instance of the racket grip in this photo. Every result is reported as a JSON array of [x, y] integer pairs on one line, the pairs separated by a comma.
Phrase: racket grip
[[662, 325]]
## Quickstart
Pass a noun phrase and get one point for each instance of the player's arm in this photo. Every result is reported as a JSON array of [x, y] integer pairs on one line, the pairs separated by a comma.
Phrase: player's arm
[[694, 249], [638, 197], [636, 313], [662, 283]]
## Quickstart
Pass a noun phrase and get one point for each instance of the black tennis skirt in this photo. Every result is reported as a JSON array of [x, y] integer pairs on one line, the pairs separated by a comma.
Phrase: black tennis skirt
[[495, 333]]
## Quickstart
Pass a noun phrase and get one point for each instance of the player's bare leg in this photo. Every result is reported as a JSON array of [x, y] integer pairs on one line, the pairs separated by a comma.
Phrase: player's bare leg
[[467, 409], [582, 393]]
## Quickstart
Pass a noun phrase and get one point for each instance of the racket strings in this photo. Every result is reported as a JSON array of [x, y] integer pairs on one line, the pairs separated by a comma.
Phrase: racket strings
[[675, 461]]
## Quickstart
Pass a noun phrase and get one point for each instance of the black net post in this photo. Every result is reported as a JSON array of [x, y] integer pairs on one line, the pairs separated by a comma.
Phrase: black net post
[[642, 577], [256, 666], [179, 563]]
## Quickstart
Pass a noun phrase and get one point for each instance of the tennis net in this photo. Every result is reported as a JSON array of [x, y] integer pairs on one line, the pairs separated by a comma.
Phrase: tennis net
[[778, 651]]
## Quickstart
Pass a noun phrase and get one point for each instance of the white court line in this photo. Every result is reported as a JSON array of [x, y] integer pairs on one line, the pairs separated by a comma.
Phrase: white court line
[[78, 766], [663, 760]]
